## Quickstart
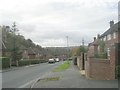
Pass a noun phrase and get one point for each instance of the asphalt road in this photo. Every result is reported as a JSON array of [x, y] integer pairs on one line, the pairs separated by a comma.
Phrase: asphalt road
[[21, 77]]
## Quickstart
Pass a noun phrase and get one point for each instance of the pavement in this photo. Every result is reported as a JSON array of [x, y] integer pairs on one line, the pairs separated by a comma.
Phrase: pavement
[[71, 78]]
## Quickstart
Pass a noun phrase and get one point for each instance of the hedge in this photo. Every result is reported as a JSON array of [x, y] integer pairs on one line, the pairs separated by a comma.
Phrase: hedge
[[118, 71], [100, 55], [29, 62], [4, 62]]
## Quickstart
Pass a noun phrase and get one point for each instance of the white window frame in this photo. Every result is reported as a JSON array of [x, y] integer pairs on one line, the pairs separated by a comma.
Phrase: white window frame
[[104, 39], [114, 35], [109, 37]]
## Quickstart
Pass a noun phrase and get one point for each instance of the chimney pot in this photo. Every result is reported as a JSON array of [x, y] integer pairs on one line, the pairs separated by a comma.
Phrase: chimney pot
[[111, 23], [98, 36], [94, 38]]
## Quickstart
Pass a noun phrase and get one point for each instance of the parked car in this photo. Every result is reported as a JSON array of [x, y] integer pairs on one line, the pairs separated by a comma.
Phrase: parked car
[[57, 59], [51, 60]]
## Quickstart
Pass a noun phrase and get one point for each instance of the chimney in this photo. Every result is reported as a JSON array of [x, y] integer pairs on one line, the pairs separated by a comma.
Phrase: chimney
[[111, 23], [94, 38], [98, 36]]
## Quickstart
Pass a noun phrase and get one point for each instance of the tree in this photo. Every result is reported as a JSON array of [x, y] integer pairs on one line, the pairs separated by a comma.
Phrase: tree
[[15, 53], [74, 51], [80, 50]]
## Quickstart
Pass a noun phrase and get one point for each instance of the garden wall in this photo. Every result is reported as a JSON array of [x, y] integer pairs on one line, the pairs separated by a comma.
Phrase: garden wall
[[98, 69]]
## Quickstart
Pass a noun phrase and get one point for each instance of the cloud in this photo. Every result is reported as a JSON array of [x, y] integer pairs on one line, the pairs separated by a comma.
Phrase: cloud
[[48, 22]]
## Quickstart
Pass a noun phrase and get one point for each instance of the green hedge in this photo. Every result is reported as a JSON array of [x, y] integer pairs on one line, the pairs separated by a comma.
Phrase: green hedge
[[4, 62], [101, 55], [30, 62], [118, 71], [23, 63]]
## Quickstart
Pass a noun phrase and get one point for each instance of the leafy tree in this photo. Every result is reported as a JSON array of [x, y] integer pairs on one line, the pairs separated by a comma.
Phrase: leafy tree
[[80, 50]]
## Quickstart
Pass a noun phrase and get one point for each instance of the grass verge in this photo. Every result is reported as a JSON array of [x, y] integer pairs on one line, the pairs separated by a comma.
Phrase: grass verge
[[62, 67], [49, 79]]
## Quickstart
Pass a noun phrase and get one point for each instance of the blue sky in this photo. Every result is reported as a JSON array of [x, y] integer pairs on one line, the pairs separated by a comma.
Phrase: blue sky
[[48, 22]]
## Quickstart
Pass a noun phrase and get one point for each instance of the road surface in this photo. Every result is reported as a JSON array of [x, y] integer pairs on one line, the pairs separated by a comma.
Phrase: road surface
[[22, 77]]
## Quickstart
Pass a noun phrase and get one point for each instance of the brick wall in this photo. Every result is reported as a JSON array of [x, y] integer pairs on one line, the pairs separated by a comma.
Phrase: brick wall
[[98, 69], [113, 61], [81, 61], [109, 43], [78, 61]]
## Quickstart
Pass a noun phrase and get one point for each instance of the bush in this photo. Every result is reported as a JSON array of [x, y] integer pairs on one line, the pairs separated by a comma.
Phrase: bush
[[101, 55], [5, 62], [23, 63], [29, 62], [34, 61], [118, 71]]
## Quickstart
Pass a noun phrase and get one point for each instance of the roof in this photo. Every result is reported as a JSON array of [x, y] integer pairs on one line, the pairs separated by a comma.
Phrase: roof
[[114, 28], [2, 45], [31, 51]]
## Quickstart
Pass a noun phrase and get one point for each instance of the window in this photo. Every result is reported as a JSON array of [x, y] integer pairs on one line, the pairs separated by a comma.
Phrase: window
[[109, 37], [101, 39], [104, 38], [108, 51], [114, 35]]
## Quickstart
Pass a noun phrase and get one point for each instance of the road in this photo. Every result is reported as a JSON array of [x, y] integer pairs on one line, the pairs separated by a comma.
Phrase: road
[[26, 75]]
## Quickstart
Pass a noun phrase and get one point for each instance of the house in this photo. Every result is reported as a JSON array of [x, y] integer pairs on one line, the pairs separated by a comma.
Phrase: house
[[103, 68], [28, 53], [110, 38]]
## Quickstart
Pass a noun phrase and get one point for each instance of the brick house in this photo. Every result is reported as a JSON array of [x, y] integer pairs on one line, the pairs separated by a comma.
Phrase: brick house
[[100, 68], [110, 38], [28, 54]]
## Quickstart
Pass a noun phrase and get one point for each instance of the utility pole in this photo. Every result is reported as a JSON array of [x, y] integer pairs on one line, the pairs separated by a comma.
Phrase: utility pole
[[83, 42], [67, 47]]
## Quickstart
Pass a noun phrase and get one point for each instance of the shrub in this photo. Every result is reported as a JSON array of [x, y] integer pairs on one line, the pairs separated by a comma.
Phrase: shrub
[[34, 61], [101, 55], [5, 62], [23, 63], [29, 62], [118, 71]]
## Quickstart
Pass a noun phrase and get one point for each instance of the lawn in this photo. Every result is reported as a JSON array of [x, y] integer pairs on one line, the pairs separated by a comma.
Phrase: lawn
[[62, 67]]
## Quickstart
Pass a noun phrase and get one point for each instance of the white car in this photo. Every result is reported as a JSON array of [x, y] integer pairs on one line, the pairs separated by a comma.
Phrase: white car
[[51, 60], [57, 60]]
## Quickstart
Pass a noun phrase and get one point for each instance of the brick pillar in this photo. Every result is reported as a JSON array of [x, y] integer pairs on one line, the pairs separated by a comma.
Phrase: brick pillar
[[82, 61], [112, 61]]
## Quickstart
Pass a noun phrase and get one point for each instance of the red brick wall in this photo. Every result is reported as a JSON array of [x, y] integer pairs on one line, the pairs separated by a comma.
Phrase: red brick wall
[[112, 61], [98, 69], [78, 61], [109, 43], [81, 61], [32, 56]]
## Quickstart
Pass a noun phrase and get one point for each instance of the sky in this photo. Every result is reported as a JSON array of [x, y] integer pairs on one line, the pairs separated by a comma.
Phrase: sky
[[48, 22]]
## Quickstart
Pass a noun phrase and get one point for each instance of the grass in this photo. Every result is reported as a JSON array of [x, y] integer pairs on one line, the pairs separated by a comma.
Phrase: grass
[[49, 79], [62, 67]]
